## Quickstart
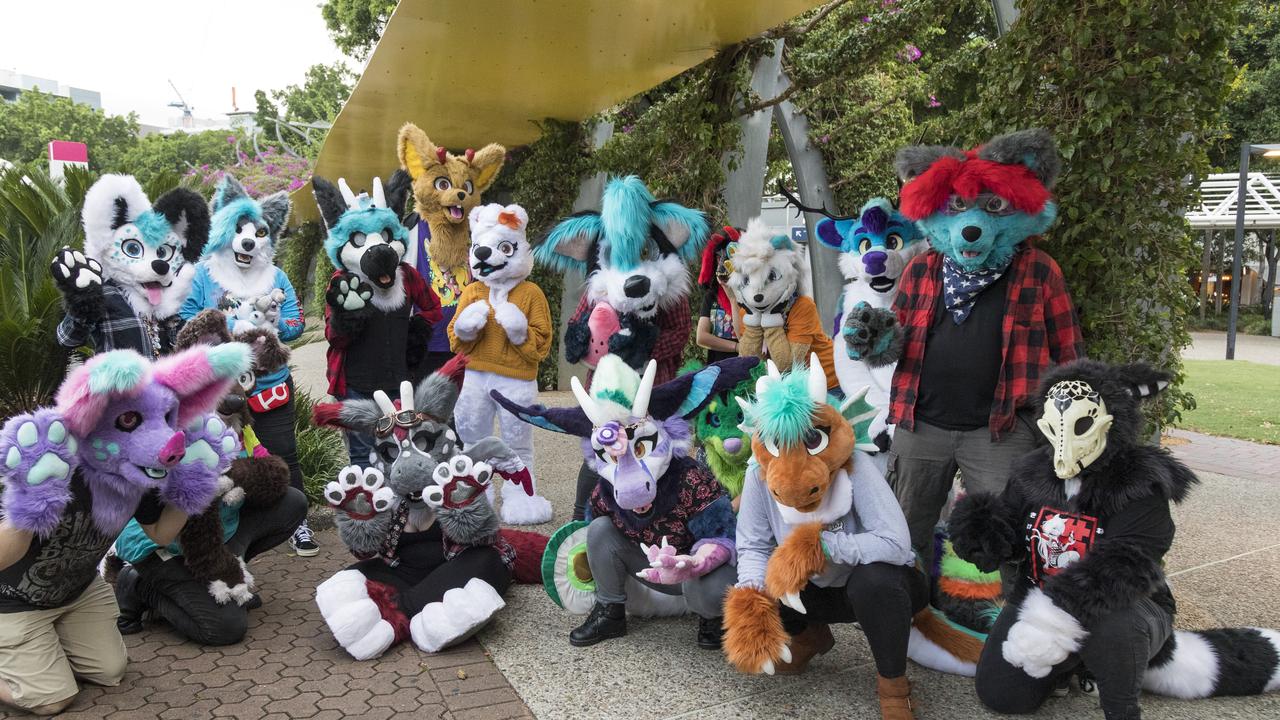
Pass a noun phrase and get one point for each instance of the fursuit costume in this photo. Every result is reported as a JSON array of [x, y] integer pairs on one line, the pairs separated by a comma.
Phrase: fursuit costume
[[379, 312], [634, 254], [503, 325], [124, 290], [126, 438], [982, 317], [433, 563], [446, 188], [821, 539], [200, 583], [657, 514], [1088, 523], [723, 446], [768, 277]]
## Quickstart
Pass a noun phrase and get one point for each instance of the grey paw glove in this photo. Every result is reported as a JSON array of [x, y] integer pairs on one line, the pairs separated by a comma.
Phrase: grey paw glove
[[872, 335]]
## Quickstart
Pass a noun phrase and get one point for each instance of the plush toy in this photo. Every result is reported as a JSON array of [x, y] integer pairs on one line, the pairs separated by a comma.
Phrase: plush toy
[[768, 275], [446, 187], [1087, 520], [378, 310], [875, 247], [657, 513], [434, 563], [634, 254], [124, 290], [820, 532], [503, 325]]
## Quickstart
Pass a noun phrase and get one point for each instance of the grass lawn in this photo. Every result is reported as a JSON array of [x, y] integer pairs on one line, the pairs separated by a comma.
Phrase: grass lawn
[[1235, 399]]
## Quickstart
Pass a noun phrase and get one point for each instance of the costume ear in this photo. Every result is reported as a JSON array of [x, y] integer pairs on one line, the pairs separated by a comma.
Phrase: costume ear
[[567, 420], [275, 211], [209, 327], [84, 395], [688, 394], [359, 415], [686, 229], [570, 242], [201, 375], [513, 217], [229, 189], [1033, 148], [485, 165], [781, 242], [329, 199], [397, 191], [915, 159], [437, 393], [831, 232], [415, 150], [187, 212], [1142, 380]]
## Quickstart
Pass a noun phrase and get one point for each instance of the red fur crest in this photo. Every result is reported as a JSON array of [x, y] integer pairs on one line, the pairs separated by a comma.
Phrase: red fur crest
[[927, 193]]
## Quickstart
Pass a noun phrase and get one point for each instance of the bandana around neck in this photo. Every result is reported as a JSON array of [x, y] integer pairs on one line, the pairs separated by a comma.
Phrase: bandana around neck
[[961, 287]]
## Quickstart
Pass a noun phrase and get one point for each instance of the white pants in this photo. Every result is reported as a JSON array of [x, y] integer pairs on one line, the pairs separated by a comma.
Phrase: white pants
[[474, 413]]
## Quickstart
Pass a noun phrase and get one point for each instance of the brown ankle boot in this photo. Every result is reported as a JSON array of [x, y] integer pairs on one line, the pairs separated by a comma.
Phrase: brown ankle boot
[[895, 698], [815, 639]]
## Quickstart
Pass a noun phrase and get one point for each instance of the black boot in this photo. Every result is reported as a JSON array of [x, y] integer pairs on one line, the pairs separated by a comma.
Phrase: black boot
[[130, 602], [710, 633], [607, 620]]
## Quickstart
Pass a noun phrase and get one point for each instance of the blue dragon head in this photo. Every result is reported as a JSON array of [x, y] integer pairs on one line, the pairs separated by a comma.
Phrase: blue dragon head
[[366, 237], [875, 246], [977, 206]]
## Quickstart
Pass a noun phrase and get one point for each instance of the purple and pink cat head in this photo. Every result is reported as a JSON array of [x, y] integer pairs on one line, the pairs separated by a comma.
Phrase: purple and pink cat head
[[129, 414]]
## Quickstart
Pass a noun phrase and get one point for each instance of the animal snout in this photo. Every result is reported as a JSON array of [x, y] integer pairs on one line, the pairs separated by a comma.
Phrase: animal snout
[[482, 252], [874, 262], [247, 244], [173, 451], [636, 286], [758, 297], [971, 233], [462, 195], [160, 267], [732, 445]]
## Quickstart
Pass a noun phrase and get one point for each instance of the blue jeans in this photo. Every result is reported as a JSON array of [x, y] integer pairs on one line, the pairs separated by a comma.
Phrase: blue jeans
[[359, 445]]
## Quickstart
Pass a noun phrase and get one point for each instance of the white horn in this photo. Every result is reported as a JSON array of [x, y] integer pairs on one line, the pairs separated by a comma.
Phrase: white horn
[[817, 380], [640, 408], [587, 403], [384, 402], [772, 369], [348, 196], [379, 197], [406, 395]]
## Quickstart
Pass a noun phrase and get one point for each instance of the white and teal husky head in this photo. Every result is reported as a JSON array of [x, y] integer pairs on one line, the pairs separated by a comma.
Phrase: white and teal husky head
[[149, 251], [242, 238]]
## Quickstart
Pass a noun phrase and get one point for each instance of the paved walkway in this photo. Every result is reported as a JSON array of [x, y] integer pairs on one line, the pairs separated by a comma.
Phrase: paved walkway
[[1213, 346], [1227, 456]]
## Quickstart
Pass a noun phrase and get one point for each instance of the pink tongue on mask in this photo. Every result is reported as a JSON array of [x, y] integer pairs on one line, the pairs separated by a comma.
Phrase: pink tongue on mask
[[155, 294]]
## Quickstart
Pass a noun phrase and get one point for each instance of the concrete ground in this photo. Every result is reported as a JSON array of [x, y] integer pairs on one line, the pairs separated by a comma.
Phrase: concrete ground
[[1213, 346], [1224, 569]]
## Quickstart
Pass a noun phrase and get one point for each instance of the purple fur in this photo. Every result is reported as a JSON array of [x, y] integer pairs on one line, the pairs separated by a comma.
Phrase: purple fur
[[114, 502], [874, 220], [36, 508], [193, 482]]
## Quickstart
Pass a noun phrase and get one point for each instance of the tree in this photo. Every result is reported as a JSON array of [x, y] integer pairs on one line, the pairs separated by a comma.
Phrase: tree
[[1252, 110], [356, 25], [317, 100], [27, 126], [179, 152]]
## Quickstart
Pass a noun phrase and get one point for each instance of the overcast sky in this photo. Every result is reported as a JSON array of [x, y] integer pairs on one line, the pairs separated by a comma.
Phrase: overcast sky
[[129, 50]]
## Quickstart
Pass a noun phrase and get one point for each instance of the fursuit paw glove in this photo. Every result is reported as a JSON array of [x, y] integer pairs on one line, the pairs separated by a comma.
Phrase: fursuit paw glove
[[347, 292], [754, 640], [210, 447], [797, 559], [751, 340], [354, 617], [775, 340], [79, 279], [512, 321], [362, 506], [872, 335], [39, 459], [471, 320], [1043, 636], [667, 567]]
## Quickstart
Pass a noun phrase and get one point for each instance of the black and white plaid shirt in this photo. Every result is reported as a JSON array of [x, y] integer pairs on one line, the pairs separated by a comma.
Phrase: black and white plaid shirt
[[120, 328]]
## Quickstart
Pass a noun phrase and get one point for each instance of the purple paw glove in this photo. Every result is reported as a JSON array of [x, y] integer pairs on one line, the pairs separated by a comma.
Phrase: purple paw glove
[[39, 458], [666, 567], [193, 482]]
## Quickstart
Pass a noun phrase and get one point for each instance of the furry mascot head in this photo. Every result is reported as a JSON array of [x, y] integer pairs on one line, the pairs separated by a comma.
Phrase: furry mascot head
[[243, 238], [766, 269], [445, 189], [148, 250], [726, 448], [874, 248], [976, 206], [500, 255], [366, 237]]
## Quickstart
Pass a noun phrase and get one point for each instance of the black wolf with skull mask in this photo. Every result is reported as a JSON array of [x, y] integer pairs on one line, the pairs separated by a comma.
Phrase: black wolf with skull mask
[[1087, 522]]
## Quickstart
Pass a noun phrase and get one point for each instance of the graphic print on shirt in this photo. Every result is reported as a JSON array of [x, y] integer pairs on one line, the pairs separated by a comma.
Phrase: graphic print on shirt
[[1057, 538]]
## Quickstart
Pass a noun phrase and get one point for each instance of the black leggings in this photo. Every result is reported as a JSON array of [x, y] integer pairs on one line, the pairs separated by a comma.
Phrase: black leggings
[[1117, 651], [275, 430], [882, 597], [168, 587], [587, 480], [430, 576]]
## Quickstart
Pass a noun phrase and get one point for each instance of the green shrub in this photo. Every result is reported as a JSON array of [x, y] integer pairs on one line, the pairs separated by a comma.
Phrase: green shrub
[[321, 451]]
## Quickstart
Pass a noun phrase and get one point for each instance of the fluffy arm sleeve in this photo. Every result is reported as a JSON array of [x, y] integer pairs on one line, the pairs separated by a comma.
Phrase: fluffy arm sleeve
[[984, 527]]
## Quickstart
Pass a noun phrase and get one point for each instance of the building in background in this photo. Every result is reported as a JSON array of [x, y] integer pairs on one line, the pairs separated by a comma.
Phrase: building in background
[[13, 84]]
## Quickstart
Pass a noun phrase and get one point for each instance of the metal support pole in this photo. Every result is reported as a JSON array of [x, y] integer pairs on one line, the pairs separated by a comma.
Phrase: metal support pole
[[1237, 259], [588, 199], [744, 183], [1006, 11]]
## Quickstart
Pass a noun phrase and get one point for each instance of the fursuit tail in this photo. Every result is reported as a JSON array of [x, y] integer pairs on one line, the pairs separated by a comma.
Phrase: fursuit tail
[[942, 645], [1226, 661]]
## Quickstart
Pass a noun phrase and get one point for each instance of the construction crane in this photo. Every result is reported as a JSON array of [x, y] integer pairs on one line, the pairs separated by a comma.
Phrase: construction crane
[[188, 120]]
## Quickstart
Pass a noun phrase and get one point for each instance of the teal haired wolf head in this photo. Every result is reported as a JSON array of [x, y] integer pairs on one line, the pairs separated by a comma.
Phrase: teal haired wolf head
[[366, 236]]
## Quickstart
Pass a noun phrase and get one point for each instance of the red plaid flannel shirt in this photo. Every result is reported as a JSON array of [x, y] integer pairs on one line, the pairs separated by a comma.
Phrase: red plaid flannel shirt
[[674, 324], [1040, 329]]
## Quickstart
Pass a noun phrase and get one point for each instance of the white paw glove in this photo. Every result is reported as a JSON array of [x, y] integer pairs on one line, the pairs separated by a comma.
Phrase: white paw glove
[[513, 321], [471, 321], [1043, 636]]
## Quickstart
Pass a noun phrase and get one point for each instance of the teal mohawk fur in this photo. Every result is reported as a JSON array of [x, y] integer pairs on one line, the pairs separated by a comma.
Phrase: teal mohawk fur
[[783, 411]]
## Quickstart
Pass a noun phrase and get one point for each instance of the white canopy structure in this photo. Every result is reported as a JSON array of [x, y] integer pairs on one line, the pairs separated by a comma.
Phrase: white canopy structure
[[1218, 197]]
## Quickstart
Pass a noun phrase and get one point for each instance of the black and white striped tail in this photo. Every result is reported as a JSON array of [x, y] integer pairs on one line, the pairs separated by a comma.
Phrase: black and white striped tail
[[1229, 661]]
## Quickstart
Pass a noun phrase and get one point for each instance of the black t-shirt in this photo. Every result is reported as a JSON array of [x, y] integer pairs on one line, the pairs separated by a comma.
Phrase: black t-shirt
[[375, 359], [721, 324], [962, 362], [58, 568]]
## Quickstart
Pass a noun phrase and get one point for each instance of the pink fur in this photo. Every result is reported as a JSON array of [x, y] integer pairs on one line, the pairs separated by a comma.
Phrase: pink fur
[[194, 381], [80, 406]]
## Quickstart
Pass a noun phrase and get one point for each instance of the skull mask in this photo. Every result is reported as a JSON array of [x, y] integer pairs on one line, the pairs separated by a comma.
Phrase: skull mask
[[1076, 422]]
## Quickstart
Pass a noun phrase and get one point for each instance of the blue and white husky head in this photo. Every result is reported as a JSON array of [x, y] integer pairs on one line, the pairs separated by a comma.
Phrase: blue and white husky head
[[366, 236], [765, 269], [875, 246], [147, 250], [242, 238], [634, 252]]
